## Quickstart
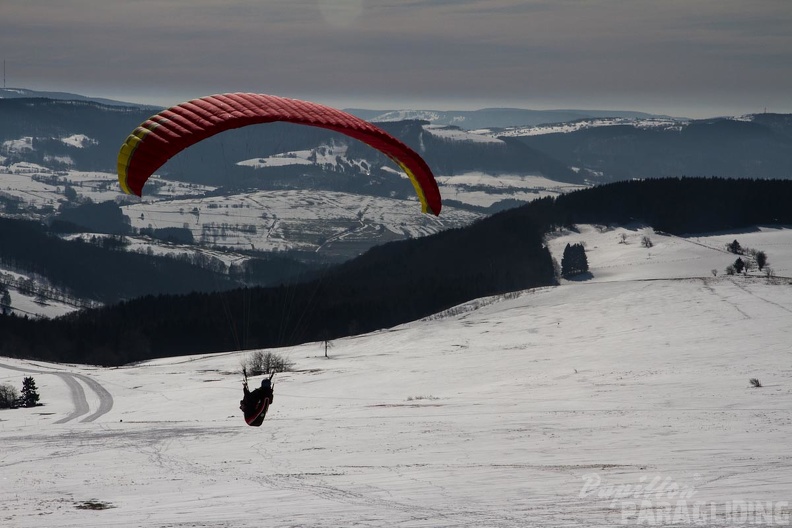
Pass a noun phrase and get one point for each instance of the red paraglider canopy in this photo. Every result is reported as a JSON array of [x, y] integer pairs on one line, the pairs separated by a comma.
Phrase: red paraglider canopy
[[167, 133]]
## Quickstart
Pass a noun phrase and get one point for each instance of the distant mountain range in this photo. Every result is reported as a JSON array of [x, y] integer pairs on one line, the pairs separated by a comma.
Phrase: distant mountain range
[[24, 93], [754, 146], [265, 204], [467, 119], [493, 117], [247, 189]]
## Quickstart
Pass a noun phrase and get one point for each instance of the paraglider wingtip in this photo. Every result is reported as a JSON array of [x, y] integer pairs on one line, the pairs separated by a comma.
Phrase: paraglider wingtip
[[431, 210]]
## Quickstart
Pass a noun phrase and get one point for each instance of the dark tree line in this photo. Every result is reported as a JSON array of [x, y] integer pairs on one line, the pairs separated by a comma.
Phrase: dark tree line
[[389, 285], [393, 283], [99, 271], [94, 272], [680, 205]]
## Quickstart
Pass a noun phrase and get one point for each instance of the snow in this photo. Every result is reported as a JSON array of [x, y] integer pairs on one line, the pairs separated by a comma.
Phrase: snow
[[322, 155], [482, 189], [17, 145], [402, 115], [622, 399], [582, 124], [40, 187], [292, 219], [28, 305], [78, 140], [31, 305], [457, 134]]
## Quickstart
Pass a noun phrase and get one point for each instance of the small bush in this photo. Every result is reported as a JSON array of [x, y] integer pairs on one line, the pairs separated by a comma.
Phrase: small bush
[[259, 362], [646, 242], [755, 382], [94, 504]]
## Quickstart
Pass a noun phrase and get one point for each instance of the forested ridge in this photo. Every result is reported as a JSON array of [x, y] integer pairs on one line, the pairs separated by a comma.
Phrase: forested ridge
[[393, 283]]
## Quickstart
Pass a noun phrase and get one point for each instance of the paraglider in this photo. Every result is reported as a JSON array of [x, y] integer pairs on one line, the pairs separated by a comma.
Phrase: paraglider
[[167, 133], [173, 130], [255, 403]]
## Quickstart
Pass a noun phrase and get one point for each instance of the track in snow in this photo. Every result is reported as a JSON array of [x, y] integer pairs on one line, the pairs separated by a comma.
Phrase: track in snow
[[77, 393]]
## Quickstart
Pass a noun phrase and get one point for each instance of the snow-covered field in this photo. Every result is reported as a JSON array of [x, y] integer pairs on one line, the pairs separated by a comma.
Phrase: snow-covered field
[[39, 187], [582, 124], [26, 302], [293, 219], [332, 222], [622, 399], [482, 189]]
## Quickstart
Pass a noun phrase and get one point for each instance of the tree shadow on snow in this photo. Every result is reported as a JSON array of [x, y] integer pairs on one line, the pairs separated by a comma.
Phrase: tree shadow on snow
[[580, 277]]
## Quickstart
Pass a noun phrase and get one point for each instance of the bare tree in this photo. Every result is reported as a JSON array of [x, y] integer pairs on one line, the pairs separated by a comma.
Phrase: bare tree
[[8, 396], [259, 362], [761, 259]]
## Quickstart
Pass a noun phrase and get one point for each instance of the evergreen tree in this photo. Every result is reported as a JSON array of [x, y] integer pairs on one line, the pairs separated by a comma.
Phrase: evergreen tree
[[30, 396], [574, 260], [739, 265], [735, 248], [5, 300], [583, 259]]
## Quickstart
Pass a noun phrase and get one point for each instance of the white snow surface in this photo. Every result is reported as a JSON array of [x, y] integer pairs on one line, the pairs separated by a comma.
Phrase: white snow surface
[[456, 134], [17, 145], [78, 140], [40, 188], [483, 189], [292, 219], [619, 400], [582, 124], [322, 155], [32, 305]]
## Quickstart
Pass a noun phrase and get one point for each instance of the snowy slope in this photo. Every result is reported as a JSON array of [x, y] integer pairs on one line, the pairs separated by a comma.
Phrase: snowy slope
[[294, 219], [30, 303], [39, 187], [483, 189], [657, 123], [622, 399]]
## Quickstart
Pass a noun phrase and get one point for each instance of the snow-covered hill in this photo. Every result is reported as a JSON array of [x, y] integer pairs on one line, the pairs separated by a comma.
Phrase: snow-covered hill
[[656, 123], [619, 400], [16, 93], [493, 117], [301, 220]]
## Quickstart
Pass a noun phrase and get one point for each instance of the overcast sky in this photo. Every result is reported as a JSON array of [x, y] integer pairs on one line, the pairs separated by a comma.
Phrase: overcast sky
[[696, 58]]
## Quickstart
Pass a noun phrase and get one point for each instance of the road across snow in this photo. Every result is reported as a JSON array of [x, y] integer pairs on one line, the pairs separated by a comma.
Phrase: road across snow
[[76, 392]]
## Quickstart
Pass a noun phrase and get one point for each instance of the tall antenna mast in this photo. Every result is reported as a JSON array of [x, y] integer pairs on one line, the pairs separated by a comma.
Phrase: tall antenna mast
[[3, 74]]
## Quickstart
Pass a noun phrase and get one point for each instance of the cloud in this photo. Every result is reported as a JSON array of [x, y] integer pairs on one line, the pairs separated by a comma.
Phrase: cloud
[[485, 50], [341, 13]]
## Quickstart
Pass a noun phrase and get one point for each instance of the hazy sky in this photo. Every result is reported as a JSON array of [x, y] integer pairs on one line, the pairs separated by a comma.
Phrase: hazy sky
[[681, 57]]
